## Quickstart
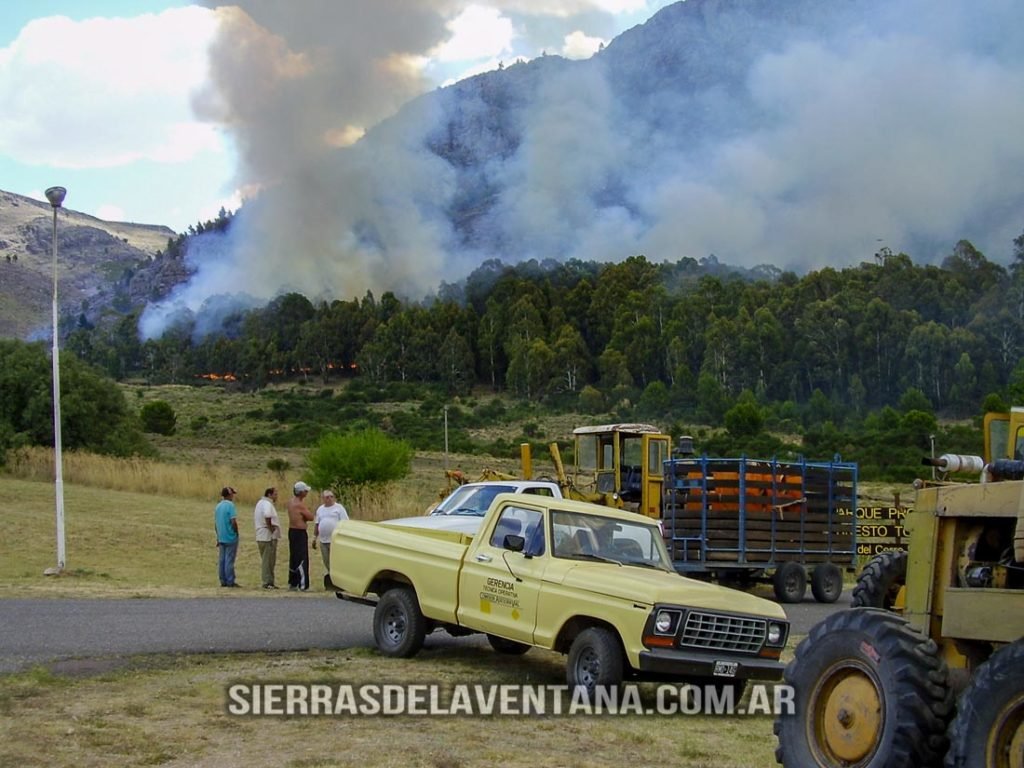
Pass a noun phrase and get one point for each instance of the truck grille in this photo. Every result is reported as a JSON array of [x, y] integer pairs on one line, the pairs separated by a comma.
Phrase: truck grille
[[727, 633]]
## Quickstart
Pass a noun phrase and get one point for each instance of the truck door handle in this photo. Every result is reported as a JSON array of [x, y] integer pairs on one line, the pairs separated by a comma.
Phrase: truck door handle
[[481, 558]]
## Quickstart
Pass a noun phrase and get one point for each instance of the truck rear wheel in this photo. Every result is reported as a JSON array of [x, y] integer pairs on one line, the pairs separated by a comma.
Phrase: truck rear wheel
[[989, 725], [508, 647], [869, 692], [595, 659], [880, 581], [790, 582], [826, 583], [399, 626]]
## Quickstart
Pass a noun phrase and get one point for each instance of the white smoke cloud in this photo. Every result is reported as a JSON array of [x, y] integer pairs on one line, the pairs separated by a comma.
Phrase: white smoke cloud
[[901, 122]]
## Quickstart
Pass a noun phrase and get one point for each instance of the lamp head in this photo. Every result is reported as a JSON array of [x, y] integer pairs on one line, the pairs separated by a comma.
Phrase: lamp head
[[56, 196]]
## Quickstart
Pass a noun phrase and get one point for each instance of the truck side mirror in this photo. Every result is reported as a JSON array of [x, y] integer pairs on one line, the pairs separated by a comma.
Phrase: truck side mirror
[[514, 542]]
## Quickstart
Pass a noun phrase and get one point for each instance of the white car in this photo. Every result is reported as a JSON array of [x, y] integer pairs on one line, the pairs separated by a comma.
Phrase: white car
[[463, 509], [474, 499]]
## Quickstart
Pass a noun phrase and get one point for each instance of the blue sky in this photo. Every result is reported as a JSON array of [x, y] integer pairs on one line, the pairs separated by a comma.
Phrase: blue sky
[[100, 101]]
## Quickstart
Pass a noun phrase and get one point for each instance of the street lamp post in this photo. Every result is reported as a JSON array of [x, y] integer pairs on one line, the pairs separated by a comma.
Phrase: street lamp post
[[56, 196]]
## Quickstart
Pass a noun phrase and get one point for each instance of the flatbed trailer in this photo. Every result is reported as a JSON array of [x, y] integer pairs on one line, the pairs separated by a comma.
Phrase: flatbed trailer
[[741, 520]]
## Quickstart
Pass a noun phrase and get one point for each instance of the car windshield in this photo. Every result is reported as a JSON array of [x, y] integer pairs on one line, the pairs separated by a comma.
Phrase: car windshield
[[473, 500], [579, 536]]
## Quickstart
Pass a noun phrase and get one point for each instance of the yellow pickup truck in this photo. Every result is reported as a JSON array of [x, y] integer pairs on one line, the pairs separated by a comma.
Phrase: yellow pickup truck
[[590, 581]]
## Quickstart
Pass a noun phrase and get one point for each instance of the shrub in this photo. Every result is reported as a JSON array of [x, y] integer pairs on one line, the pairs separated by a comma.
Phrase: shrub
[[368, 458], [158, 417], [591, 400]]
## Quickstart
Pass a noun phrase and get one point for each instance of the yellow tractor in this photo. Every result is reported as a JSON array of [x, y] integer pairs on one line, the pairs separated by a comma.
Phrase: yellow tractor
[[928, 667], [617, 465]]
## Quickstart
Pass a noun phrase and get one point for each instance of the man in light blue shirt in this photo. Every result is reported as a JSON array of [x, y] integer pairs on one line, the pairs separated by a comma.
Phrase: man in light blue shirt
[[224, 518]]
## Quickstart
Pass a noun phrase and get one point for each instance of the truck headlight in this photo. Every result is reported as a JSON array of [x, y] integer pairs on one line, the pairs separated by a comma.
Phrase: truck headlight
[[666, 622], [776, 633]]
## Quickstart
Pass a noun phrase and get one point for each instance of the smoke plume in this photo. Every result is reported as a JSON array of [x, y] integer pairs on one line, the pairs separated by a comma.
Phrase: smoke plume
[[798, 133]]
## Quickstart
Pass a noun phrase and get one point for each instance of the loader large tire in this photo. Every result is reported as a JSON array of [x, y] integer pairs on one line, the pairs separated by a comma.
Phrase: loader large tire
[[989, 725], [880, 581], [869, 692]]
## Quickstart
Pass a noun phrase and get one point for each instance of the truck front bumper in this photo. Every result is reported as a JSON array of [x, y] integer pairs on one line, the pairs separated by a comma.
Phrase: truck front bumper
[[675, 664]]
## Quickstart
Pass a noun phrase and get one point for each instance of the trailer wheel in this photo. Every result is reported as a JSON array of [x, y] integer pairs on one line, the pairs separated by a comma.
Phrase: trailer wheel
[[508, 647], [881, 580], [989, 725], [399, 626], [826, 582], [869, 692], [790, 582], [595, 659]]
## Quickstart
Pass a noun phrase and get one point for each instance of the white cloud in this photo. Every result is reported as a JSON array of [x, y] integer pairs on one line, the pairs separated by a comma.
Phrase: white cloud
[[106, 92], [110, 213], [477, 33], [580, 46]]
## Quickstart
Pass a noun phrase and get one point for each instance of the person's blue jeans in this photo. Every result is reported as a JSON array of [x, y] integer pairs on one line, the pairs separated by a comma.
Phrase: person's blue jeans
[[226, 566]]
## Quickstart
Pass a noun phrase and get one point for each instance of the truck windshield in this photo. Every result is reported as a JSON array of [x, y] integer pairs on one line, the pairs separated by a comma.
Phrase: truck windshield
[[579, 536]]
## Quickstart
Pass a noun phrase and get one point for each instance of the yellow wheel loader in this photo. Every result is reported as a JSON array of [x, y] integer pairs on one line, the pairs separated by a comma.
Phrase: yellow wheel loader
[[928, 668]]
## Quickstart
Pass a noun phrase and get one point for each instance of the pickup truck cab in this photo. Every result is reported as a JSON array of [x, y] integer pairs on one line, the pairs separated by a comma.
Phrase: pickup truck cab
[[589, 581]]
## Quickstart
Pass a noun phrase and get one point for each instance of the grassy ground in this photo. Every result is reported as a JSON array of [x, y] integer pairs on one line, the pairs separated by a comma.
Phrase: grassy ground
[[171, 711]]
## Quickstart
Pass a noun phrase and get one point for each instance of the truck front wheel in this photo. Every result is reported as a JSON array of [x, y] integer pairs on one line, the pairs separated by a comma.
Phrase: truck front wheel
[[399, 626], [595, 659]]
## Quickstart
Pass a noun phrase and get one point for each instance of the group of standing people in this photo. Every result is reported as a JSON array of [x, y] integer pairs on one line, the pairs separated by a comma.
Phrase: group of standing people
[[268, 533]]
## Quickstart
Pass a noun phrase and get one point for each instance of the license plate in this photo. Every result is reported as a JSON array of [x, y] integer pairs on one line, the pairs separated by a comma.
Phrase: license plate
[[726, 668]]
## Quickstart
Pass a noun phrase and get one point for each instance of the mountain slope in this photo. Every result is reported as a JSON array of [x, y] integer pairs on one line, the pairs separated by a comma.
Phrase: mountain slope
[[96, 258]]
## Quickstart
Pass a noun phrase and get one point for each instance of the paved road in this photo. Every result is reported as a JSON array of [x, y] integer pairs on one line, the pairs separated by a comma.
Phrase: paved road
[[96, 631]]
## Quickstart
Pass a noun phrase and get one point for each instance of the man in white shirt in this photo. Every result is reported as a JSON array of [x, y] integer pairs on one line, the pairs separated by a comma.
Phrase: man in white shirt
[[328, 515], [268, 531]]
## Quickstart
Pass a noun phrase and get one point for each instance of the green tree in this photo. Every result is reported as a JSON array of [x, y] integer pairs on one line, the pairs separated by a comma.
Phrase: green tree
[[655, 400], [158, 417], [712, 399], [746, 418], [529, 368], [914, 399], [456, 363], [572, 360], [94, 414]]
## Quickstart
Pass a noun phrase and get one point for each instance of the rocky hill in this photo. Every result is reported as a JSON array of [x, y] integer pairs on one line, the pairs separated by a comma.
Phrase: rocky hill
[[97, 262]]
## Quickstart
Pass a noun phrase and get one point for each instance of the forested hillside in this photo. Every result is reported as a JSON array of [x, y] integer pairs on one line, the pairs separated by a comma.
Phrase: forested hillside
[[855, 339]]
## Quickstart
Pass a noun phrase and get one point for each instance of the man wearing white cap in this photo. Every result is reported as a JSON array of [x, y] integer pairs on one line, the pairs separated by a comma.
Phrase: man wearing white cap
[[298, 539], [328, 515]]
